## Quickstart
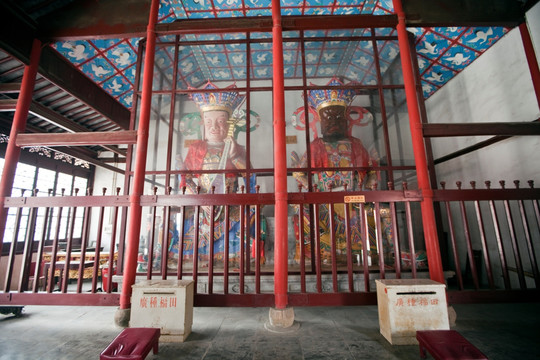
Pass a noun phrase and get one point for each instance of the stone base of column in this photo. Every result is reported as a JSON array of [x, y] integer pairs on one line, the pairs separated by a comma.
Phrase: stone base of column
[[121, 317], [281, 320], [452, 316]]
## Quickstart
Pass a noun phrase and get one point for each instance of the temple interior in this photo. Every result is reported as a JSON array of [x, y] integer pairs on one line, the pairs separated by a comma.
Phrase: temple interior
[[274, 153]]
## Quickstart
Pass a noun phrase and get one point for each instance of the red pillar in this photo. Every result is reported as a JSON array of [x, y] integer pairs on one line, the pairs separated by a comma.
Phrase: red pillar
[[428, 214], [531, 59], [135, 210], [18, 126], [280, 163]]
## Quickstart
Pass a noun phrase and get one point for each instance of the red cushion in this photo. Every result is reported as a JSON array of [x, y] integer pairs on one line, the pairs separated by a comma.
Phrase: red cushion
[[131, 343], [448, 344]]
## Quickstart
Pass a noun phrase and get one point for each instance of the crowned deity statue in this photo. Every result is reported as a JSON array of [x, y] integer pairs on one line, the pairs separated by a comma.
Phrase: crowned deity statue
[[219, 150], [336, 148]]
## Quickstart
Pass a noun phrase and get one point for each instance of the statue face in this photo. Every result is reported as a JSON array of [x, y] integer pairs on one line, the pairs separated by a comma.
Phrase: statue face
[[215, 125], [333, 123]]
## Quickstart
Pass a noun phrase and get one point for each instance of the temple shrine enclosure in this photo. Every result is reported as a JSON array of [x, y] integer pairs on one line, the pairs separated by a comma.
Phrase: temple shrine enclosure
[[273, 154]]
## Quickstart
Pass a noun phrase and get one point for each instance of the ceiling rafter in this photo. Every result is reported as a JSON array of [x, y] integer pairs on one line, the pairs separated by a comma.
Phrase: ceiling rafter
[[56, 68]]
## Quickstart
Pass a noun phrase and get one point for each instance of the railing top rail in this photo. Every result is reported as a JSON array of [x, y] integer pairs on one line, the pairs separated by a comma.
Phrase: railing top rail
[[485, 194], [353, 196], [235, 199]]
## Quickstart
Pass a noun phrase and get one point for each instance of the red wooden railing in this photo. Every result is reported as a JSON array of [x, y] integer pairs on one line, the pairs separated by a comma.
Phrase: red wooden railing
[[489, 240]]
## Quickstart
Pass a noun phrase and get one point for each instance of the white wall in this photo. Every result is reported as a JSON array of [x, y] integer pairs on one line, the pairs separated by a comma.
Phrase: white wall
[[111, 180], [497, 87]]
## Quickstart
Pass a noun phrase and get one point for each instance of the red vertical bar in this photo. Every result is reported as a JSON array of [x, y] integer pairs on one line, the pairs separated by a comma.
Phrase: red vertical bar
[[226, 251], [428, 214], [18, 126], [84, 243], [515, 247], [531, 59], [111, 249], [333, 247], [69, 246], [211, 250], [410, 234], [196, 219], [280, 162], [349, 247], [97, 257], [12, 250], [242, 247], [530, 246], [54, 254], [28, 245], [134, 221], [256, 244], [500, 246], [302, 248], [378, 237], [395, 233], [365, 244], [181, 239], [483, 241], [39, 256], [165, 240], [317, 249], [129, 156], [454, 244], [468, 242]]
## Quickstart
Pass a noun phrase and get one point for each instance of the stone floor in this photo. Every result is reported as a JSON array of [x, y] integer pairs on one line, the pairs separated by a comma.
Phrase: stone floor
[[501, 331]]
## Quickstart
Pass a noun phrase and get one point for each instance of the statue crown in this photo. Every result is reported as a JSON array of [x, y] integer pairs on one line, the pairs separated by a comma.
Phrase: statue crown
[[321, 98], [219, 100]]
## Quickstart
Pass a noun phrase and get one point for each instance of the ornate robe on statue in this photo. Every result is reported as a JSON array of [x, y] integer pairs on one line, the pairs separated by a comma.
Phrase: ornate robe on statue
[[345, 153], [204, 156]]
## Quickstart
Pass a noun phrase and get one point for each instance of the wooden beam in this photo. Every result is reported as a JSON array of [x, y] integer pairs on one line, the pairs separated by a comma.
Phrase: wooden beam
[[118, 160], [88, 19], [465, 12], [473, 147], [264, 23], [77, 139], [480, 129], [8, 104], [54, 67], [63, 74], [97, 19], [64, 123], [10, 88], [81, 153]]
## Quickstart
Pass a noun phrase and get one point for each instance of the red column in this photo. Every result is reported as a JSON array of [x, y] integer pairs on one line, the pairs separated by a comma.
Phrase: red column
[[280, 163], [135, 210], [428, 214], [18, 126], [531, 59]]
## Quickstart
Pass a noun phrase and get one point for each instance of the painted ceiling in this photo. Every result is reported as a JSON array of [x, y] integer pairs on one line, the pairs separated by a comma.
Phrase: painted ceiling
[[442, 52]]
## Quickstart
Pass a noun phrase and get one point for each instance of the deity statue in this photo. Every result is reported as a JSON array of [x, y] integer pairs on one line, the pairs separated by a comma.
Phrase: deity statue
[[339, 149], [218, 150]]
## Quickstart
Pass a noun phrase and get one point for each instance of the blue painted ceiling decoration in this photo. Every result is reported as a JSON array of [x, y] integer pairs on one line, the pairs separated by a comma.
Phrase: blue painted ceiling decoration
[[442, 52]]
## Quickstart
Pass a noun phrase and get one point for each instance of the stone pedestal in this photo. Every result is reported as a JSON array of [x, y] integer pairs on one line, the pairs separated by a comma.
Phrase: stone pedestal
[[121, 317], [281, 320]]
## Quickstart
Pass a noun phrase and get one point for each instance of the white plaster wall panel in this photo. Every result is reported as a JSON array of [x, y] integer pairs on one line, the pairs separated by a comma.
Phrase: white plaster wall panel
[[534, 28], [497, 87], [111, 180]]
